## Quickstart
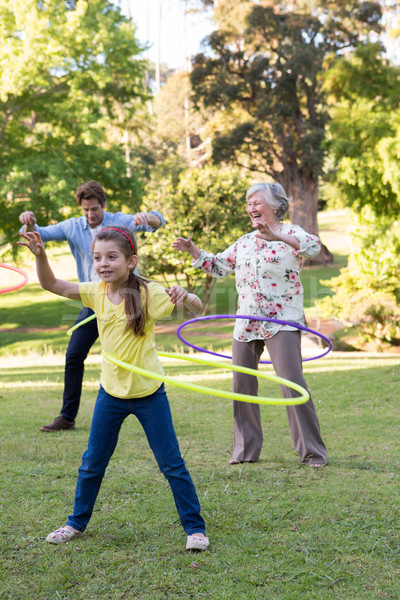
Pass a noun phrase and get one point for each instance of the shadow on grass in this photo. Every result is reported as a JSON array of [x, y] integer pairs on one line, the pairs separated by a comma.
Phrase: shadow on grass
[[43, 315]]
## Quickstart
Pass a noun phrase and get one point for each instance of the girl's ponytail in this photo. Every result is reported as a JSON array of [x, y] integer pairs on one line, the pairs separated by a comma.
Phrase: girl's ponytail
[[135, 308]]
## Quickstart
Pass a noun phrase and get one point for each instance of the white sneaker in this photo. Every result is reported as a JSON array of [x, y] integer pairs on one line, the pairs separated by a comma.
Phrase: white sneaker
[[63, 534], [197, 541]]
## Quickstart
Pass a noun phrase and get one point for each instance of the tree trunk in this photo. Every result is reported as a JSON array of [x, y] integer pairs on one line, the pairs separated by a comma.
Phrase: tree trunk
[[209, 286], [303, 211]]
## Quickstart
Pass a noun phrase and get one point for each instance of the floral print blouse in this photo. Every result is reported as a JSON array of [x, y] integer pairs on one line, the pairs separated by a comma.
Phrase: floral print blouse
[[267, 280]]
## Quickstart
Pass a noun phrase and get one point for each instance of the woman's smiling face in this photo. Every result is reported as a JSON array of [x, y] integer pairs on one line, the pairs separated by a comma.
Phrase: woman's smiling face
[[259, 210]]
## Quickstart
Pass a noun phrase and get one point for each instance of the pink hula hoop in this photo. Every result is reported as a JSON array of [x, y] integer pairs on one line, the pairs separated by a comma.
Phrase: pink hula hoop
[[12, 288]]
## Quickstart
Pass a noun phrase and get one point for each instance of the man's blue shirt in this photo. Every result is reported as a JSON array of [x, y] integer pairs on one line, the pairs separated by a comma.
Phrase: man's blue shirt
[[76, 232]]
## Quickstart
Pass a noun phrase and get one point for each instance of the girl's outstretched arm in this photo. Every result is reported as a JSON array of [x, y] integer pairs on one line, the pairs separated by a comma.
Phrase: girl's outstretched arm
[[46, 277], [182, 299]]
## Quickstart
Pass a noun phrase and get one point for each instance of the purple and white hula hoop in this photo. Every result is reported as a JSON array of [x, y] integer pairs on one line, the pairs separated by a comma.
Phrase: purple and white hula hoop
[[250, 317]]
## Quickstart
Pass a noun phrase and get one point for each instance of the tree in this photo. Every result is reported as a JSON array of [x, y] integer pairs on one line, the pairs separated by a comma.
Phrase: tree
[[178, 127], [366, 293], [263, 75], [362, 93], [69, 71], [207, 204], [364, 146]]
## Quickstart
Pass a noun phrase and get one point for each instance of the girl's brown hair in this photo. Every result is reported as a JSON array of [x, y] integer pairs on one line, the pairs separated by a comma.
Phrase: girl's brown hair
[[135, 308]]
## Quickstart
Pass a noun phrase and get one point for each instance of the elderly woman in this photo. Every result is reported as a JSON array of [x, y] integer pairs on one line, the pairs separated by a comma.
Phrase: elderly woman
[[267, 264]]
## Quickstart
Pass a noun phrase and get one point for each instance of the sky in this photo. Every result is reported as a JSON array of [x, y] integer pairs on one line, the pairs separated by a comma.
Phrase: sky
[[173, 37]]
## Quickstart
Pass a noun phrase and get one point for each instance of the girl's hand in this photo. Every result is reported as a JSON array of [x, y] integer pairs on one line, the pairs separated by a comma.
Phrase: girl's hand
[[177, 294], [33, 242]]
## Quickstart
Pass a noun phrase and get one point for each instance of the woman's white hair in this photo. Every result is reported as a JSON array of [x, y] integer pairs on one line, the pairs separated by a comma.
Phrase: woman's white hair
[[274, 195]]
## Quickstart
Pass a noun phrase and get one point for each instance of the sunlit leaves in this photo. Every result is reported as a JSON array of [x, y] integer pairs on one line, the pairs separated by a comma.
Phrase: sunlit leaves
[[71, 81], [207, 204]]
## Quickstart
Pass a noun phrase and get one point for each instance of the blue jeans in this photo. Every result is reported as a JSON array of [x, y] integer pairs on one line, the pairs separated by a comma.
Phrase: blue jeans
[[79, 345], [154, 414]]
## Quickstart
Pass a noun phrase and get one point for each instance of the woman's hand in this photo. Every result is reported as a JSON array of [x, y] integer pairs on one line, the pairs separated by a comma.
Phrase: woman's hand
[[265, 232], [183, 244], [275, 235], [186, 245], [33, 242], [177, 293]]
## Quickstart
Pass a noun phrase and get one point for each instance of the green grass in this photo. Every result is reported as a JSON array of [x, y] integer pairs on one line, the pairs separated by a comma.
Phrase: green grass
[[35, 320], [278, 530]]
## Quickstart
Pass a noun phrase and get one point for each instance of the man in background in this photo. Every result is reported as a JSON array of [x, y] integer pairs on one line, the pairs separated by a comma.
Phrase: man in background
[[79, 233]]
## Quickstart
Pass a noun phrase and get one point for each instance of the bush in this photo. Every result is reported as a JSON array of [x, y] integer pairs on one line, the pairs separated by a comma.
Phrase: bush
[[367, 291], [206, 203]]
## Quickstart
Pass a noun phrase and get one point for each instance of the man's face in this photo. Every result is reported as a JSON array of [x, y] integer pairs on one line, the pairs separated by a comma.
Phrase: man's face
[[93, 211]]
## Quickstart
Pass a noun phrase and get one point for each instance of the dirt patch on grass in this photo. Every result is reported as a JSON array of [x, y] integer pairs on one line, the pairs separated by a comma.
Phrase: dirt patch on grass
[[33, 329], [326, 327]]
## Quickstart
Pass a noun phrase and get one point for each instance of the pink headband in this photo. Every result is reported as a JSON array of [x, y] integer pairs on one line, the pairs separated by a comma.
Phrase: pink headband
[[120, 230]]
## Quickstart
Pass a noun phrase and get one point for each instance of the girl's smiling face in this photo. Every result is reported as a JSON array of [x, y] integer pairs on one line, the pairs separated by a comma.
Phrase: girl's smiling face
[[110, 263]]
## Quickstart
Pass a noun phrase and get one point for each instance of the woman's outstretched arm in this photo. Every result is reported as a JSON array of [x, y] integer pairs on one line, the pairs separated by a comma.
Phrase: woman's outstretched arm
[[187, 246]]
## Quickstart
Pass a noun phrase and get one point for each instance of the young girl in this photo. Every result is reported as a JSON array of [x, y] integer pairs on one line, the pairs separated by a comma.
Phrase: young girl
[[126, 307]]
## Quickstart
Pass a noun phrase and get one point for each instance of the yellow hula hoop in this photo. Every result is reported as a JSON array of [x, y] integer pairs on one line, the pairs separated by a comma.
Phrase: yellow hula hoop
[[304, 397], [214, 392], [91, 318]]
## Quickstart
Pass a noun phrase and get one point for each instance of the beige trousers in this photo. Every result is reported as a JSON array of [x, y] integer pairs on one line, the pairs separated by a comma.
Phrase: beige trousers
[[285, 351]]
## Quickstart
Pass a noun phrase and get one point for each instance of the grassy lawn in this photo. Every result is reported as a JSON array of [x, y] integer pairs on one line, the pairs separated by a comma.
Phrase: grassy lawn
[[278, 530]]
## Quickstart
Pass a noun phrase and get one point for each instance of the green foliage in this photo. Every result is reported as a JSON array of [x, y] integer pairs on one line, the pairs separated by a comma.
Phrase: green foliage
[[364, 144], [278, 530], [176, 135], [389, 152], [268, 60], [177, 125], [69, 71], [262, 64], [364, 132], [207, 204], [367, 290]]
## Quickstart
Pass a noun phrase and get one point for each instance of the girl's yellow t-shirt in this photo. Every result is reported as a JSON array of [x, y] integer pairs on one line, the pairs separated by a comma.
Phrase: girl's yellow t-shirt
[[134, 349]]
